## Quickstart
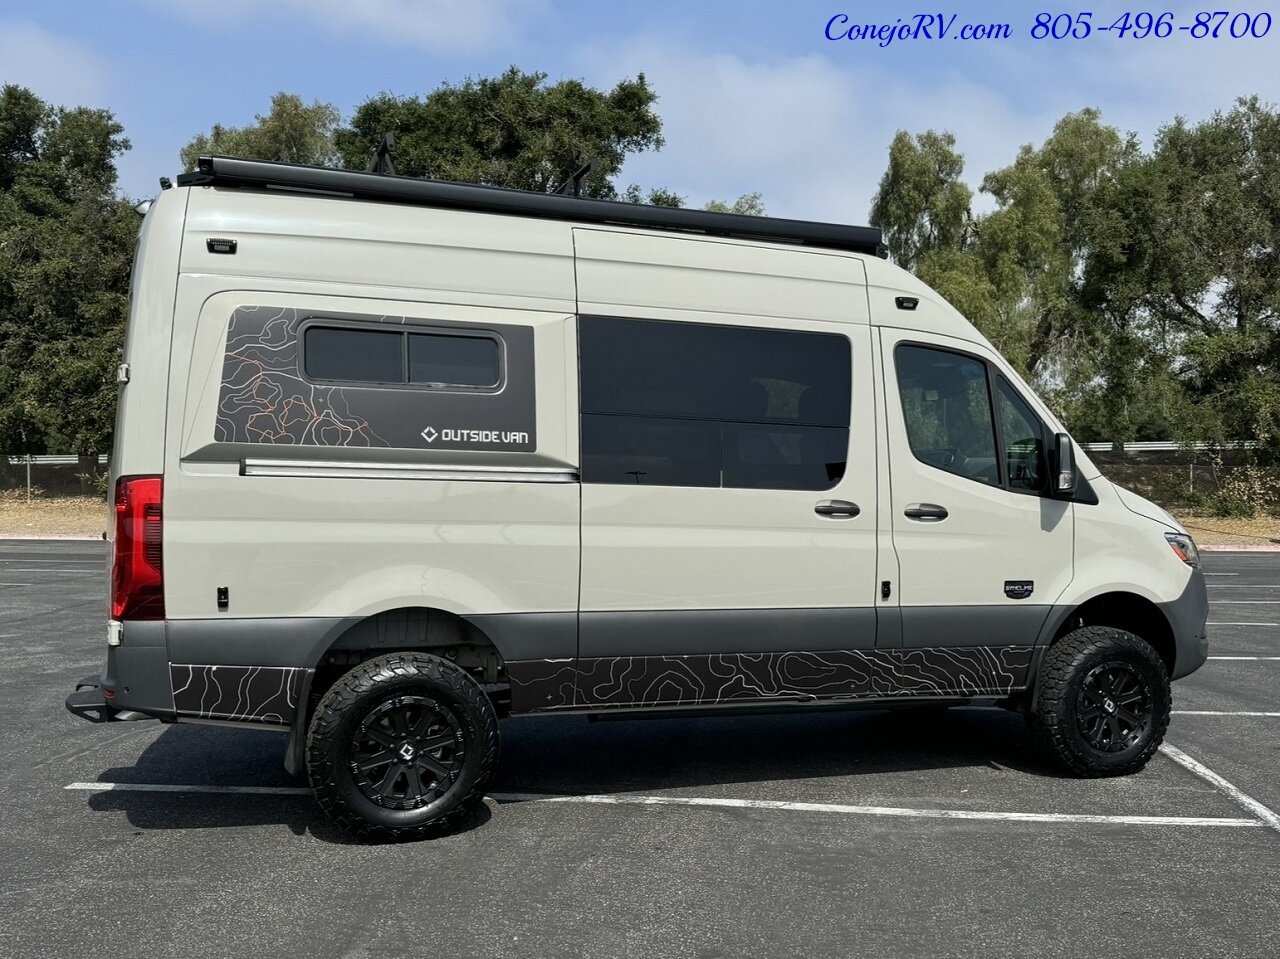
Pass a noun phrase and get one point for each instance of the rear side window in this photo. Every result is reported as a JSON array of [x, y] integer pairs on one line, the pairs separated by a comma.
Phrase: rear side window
[[361, 356], [693, 404], [947, 408], [402, 357]]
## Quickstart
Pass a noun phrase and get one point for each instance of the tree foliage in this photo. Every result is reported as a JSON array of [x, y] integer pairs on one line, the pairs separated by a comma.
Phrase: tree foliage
[[514, 130], [291, 132], [66, 246]]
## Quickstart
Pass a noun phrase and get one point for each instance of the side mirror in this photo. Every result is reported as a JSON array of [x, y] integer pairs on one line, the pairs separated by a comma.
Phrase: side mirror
[[1064, 466]]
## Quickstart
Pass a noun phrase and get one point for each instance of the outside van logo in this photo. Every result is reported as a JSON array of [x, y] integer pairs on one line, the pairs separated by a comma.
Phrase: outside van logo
[[495, 437]]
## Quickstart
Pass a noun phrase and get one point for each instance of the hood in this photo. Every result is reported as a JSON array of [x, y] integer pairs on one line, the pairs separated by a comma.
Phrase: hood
[[1144, 507]]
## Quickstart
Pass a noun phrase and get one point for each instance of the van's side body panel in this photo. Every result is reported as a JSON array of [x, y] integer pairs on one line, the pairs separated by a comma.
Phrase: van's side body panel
[[319, 506], [696, 594], [305, 513]]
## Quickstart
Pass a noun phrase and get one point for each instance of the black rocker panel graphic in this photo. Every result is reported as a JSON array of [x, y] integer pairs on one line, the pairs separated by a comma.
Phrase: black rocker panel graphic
[[791, 676], [251, 694]]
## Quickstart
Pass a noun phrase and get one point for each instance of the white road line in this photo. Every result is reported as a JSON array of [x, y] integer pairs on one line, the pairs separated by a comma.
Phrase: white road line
[[46, 569], [1242, 624], [628, 800], [170, 788], [1245, 657], [1222, 574], [1222, 712], [1249, 602], [1239, 586], [17, 584], [1264, 814]]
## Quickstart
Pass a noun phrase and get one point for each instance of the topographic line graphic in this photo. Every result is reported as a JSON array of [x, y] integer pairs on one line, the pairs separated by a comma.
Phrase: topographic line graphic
[[265, 398], [742, 677], [256, 694]]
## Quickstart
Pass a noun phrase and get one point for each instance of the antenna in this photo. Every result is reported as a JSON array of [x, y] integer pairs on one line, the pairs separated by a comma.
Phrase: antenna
[[380, 162]]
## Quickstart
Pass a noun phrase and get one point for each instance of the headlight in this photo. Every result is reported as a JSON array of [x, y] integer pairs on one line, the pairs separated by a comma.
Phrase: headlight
[[1184, 547]]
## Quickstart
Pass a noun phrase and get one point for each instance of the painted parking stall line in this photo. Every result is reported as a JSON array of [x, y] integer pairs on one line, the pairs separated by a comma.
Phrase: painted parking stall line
[[724, 803], [1238, 796], [1225, 712]]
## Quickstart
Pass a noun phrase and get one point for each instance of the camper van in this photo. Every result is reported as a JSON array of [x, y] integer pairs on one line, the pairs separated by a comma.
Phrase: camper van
[[396, 458]]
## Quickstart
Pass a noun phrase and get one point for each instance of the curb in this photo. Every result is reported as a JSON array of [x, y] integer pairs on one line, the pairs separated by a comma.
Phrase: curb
[[1239, 549], [81, 537]]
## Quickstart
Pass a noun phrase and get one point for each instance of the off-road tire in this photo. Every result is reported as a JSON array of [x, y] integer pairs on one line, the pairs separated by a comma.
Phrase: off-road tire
[[1056, 713], [380, 684]]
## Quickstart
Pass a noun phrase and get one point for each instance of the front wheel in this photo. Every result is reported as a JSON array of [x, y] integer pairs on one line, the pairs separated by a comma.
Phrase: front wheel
[[402, 747], [1102, 706]]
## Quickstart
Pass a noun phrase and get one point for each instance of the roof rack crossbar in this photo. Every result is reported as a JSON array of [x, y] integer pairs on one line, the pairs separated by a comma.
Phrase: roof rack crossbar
[[220, 171]]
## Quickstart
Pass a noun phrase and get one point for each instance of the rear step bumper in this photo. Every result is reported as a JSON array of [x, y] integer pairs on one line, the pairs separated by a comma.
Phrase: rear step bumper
[[89, 702]]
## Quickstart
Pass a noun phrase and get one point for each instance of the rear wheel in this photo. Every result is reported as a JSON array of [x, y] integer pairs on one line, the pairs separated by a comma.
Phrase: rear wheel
[[402, 747], [1102, 706]]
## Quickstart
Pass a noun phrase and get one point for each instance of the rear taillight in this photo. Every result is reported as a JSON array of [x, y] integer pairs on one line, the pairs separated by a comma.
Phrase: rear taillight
[[137, 568]]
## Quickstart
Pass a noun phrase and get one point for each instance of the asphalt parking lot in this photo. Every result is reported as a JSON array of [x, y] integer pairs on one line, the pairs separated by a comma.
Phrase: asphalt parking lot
[[827, 834]]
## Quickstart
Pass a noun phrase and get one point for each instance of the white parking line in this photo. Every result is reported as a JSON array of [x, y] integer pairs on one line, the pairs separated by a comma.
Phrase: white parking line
[[1223, 712], [628, 800], [1222, 574], [1264, 814], [1242, 624], [1245, 657], [46, 569], [171, 788], [1238, 586], [17, 584]]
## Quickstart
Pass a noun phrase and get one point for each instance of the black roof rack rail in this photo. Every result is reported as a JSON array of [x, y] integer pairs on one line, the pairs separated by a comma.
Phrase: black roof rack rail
[[223, 171]]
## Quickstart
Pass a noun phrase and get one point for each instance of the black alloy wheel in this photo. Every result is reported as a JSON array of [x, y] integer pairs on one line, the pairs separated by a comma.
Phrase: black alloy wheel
[[407, 752], [1113, 707]]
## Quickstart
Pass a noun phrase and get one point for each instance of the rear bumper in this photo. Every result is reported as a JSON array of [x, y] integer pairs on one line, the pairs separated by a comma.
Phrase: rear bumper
[[89, 702]]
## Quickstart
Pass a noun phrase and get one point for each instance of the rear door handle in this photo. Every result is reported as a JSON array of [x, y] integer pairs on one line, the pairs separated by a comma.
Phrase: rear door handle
[[837, 507], [925, 512]]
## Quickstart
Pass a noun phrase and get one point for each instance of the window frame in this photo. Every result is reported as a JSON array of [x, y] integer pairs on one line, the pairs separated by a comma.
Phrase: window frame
[[991, 372], [405, 331]]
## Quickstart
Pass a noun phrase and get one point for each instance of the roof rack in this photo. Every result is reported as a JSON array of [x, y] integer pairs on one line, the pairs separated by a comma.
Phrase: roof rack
[[221, 171]]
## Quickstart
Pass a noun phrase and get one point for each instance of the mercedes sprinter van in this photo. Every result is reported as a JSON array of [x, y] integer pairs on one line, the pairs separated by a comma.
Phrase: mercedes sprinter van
[[397, 457]]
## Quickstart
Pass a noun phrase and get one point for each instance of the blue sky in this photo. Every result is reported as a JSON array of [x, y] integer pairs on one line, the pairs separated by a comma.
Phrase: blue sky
[[753, 96]]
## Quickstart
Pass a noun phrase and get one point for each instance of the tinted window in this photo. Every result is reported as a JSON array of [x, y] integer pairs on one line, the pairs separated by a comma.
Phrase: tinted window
[[947, 409], [453, 360], [647, 451], [363, 356], [400, 357], [652, 368], [1024, 440], [684, 404]]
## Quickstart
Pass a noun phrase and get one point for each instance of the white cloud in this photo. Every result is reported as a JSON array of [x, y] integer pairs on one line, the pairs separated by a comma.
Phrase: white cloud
[[57, 69], [812, 132], [436, 25]]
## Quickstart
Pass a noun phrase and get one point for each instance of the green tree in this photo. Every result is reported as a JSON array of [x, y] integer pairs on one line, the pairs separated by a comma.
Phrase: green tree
[[514, 130], [749, 204], [66, 246], [922, 204], [1210, 263], [291, 132]]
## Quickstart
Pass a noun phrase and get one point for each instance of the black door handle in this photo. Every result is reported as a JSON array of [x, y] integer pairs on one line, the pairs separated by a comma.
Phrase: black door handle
[[925, 512], [837, 507]]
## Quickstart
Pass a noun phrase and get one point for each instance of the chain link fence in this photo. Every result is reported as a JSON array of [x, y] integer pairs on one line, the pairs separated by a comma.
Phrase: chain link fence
[[34, 477]]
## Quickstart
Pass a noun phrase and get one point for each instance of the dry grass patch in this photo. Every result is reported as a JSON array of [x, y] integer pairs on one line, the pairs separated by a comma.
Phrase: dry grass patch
[[65, 516], [1219, 531]]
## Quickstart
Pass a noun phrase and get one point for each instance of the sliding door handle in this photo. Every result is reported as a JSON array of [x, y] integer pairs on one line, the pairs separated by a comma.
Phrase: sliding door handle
[[837, 507], [925, 512]]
